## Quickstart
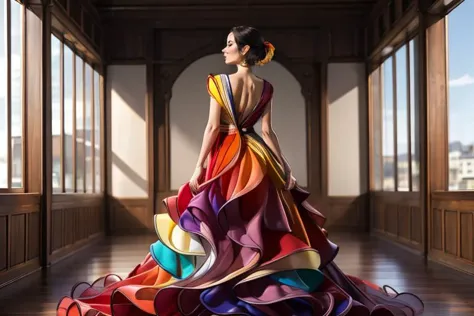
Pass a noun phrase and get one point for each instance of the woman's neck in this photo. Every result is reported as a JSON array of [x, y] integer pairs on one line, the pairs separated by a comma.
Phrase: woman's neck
[[244, 70]]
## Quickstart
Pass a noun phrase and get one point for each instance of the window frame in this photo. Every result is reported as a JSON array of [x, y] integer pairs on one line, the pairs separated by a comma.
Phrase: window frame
[[376, 123], [8, 46], [94, 67], [446, 50]]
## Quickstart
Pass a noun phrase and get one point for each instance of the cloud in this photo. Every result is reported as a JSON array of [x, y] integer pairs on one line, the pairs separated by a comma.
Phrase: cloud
[[465, 80]]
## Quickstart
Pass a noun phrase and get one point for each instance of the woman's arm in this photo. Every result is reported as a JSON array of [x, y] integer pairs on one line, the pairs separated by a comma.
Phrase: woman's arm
[[211, 132], [268, 134]]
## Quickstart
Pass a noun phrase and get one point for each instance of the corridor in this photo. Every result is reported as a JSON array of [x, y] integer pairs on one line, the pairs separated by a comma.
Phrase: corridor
[[103, 104]]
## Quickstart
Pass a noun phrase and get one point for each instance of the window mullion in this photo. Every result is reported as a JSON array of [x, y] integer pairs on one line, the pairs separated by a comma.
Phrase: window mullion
[[394, 120], [408, 67], [9, 93], [74, 125], [84, 106], [92, 155], [23, 105], [61, 109]]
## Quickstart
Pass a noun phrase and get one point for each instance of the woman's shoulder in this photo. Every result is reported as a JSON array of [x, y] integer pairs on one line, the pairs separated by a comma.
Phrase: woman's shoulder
[[215, 76], [213, 79], [213, 83]]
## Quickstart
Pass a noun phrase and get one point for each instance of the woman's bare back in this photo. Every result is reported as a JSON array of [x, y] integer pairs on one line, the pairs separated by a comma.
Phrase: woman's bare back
[[247, 92]]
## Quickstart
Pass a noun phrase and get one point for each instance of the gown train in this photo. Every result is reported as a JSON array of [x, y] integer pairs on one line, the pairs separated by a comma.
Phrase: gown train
[[243, 245]]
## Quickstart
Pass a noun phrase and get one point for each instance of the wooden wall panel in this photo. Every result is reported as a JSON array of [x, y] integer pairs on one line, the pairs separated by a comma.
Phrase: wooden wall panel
[[396, 216], [3, 242], [130, 215], [451, 235], [19, 236], [77, 221], [436, 226], [466, 236], [347, 213]]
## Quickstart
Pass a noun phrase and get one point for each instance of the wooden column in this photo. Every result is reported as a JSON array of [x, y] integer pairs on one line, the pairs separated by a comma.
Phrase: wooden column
[[46, 187], [150, 121], [436, 112], [104, 143], [422, 120], [162, 100], [33, 101]]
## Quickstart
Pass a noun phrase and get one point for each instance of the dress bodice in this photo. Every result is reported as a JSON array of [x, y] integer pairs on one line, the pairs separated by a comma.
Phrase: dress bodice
[[219, 87]]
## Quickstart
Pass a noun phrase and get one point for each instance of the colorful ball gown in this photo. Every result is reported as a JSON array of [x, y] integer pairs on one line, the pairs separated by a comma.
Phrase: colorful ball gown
[[244, 245]]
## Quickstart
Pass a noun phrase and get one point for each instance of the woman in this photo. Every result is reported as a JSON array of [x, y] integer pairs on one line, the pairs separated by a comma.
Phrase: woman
[[239, 238]]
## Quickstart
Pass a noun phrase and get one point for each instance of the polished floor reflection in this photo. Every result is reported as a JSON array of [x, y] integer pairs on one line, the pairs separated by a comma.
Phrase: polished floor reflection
[[444, 291]]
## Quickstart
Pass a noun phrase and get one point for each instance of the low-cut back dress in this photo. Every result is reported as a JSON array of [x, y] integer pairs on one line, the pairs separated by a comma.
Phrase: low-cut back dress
[[243, 245]]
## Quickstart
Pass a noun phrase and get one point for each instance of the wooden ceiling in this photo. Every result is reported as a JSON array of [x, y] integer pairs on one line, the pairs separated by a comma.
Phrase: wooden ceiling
[[343, 4], [217, 13]]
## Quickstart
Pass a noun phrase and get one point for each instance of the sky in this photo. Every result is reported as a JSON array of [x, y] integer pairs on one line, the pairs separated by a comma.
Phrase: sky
[[461, 73]]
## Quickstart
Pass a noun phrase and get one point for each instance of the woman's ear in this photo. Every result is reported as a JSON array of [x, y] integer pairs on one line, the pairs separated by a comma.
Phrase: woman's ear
[[245, 50]]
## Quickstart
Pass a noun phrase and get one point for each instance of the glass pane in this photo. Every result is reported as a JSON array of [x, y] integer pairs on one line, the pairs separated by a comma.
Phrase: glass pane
[[97, 124], [79, 126], [68, 119], [17, 93], [56, 110], [3, 99], [461, 94], [377, 129], [88, 128], [414, 116], [388, 128], [402, 120]]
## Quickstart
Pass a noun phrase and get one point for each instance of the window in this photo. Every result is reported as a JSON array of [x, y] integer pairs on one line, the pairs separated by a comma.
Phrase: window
[[56, 111], [460, 95], [402, 119], [414, 114], [376, 121], [79, 141], [394, 101], [76, 124], [97, 132], [388, 126], [11, 94], [69, 125], [88, 87]]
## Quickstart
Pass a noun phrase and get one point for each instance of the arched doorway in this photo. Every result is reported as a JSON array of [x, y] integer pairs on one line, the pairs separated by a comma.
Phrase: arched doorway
[[189, 108]]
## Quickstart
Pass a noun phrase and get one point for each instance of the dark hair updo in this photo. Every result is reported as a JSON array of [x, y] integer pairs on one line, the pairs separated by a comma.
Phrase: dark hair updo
[[247, 35]]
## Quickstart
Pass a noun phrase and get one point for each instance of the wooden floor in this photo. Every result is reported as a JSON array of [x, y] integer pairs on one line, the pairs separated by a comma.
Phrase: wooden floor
[[444, 291]]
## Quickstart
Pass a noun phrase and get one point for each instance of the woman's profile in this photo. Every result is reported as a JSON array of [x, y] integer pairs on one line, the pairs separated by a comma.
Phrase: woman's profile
[[239, 238]]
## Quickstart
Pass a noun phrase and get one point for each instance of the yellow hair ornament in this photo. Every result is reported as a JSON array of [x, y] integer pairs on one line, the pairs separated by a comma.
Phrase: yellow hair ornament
[[270, 49]]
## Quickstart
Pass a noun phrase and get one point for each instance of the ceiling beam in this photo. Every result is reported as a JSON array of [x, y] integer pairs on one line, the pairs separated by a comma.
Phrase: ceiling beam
[[268, 3], [352, 6], [220, 16]]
